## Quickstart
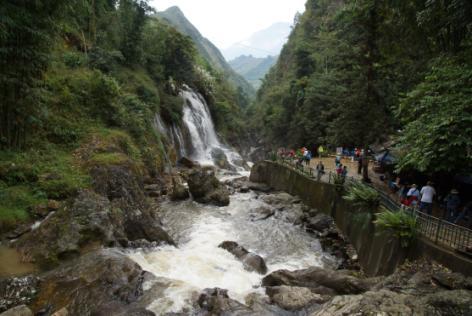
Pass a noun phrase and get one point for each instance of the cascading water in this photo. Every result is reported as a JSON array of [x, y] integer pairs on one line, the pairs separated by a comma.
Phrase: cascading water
[[197, 263], [198, 121]]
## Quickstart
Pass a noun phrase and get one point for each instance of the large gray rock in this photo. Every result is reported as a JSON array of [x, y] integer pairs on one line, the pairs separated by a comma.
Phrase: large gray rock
[[220, 159], [386, 302], [217, 302], [319, 223], [205, 188], [251, 261], [105, 282], [292, 297], [114, 214], [319, 280]]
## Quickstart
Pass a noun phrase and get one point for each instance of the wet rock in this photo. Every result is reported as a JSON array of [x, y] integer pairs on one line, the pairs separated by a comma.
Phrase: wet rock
[[21, 310], [261, 213], [217, 302], [370, 303], [251, 261], [293, 298], [179, 192], [280, 198], [453, 281], [105, 282], [319, 280], [61, 312], [17, 291], [259, 187], [319, 223], [220, 159], [89, 219], [456, 302], [206, 188], [188, 163]]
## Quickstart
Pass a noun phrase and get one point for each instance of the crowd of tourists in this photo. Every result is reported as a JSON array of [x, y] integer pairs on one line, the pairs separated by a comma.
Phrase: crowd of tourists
[[451, 206]]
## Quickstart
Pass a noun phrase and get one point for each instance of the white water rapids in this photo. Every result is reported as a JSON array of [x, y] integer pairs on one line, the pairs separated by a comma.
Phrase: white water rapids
[[197, 263]]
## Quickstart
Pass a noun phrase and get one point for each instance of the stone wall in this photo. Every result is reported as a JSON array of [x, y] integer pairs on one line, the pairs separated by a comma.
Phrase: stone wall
[[379, 251]]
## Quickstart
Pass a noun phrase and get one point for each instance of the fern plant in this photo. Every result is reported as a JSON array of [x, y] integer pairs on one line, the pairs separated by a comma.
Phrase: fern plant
[[362, 196], [401, 223]]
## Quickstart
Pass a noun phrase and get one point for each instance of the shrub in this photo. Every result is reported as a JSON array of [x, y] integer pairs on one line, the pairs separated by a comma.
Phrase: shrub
[[401, 223], [362, 196]]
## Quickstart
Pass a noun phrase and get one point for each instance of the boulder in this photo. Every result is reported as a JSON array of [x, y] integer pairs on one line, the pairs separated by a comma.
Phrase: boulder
[[319, 223], [188, 163], [251, 261], [261, 213], [17, 291], [292, 297], [280, 198], [104, 282], [217, 302], [220, 159], [118, 213], [319, 280], [206, 188], [21, 310], [179, 192], [261, 187], [452, 281]]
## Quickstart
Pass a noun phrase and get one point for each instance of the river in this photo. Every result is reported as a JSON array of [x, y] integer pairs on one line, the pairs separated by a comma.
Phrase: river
[[197, 263]]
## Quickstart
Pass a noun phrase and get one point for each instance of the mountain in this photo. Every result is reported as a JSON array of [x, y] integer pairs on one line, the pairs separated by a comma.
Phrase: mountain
[[176, 18], [265, 42], [253, 69]]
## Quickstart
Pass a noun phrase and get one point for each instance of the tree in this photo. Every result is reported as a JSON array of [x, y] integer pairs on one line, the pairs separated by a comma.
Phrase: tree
[[26, 33], [437, 117]]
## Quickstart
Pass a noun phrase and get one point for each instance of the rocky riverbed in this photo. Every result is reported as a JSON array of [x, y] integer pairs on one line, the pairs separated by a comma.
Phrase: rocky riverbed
[[240, 248]]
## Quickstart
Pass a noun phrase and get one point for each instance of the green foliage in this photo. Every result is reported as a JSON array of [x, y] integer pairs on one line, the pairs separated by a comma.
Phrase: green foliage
[[16, 200], [401, 223], [437, 115], [362, 196]]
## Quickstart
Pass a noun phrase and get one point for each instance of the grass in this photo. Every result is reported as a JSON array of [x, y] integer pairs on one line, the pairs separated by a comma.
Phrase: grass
[[16, 201]]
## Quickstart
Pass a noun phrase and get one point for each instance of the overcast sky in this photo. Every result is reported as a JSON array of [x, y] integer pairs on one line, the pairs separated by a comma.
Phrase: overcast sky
[[225, 22]]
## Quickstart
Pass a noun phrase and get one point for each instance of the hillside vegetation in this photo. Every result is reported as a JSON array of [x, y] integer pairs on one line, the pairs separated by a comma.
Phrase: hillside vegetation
[[355, 73], [210, 53], [81, 82]]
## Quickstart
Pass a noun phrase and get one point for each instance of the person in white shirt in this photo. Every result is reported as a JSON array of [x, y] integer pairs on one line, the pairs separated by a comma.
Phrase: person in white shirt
[[427, 194], [413, 195]]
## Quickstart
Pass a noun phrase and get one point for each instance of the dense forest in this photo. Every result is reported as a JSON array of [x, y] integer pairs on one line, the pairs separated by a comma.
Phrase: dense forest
[[363, 72], [81, 82]]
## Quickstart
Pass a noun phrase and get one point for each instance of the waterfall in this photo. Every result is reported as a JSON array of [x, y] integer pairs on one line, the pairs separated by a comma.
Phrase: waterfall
[[202, 143], [205, 142]]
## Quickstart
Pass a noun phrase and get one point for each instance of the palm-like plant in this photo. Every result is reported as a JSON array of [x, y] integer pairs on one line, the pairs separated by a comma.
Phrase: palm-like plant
[[401, 223], [362, 196]]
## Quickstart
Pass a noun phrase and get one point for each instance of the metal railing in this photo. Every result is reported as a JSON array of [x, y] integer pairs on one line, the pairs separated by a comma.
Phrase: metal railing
[[437, 230]]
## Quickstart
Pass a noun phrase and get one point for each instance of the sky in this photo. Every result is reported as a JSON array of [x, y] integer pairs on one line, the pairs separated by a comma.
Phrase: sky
[[225, 22]]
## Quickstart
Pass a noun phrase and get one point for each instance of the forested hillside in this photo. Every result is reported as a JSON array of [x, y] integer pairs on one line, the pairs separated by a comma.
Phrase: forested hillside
[[81, 82], [210, 53], [355, 73]]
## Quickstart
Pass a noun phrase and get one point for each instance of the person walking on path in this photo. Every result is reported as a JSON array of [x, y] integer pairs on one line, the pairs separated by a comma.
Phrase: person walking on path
[[413, 195], [359, 165], [320, 151], [319, 170], [427, 194], [344, 172]]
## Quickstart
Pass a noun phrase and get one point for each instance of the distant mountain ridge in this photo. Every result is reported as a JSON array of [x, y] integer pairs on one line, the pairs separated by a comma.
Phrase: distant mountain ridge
[[176, 18], [253, 69], [268, 41]]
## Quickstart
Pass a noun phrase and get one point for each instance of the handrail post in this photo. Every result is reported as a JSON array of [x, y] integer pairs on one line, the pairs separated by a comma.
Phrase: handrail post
[[437, 231]]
